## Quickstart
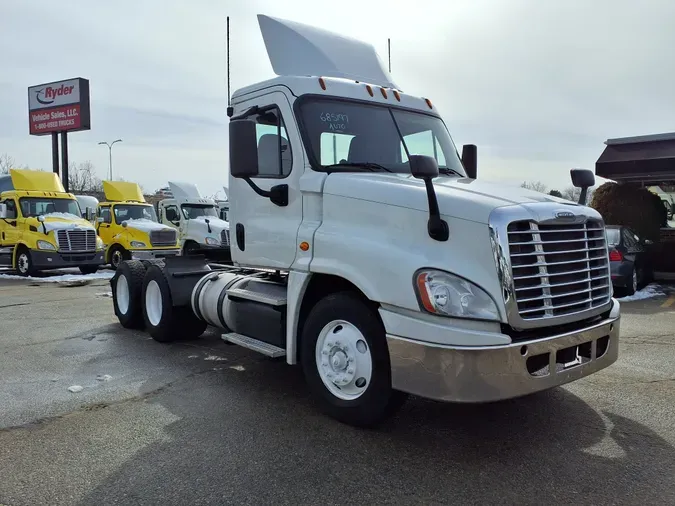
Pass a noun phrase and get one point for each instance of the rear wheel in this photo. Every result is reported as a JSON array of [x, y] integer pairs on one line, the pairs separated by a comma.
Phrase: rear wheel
[[345, 360], [190, 248], [164, 322], [127, 286], [631, 285]]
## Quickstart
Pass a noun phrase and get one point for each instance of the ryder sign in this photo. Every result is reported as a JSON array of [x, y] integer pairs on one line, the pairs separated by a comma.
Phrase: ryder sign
[[61, 106]]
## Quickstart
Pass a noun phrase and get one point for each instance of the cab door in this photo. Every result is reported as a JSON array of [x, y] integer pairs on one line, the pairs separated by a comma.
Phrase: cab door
[[10, 227], [103, 225], [263, 233]]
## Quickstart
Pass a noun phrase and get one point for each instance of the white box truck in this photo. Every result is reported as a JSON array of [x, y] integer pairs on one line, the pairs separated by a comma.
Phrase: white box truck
[[366, 251], [197, 220]]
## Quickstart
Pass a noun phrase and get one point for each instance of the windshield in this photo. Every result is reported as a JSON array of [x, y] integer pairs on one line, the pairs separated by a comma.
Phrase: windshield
[[341, 132], [134, 212], [613, 237], [32, 207], [191, 211]]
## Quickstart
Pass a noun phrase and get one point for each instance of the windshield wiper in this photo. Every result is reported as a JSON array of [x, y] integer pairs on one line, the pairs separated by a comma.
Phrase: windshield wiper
[[374, 167], [448, 170]]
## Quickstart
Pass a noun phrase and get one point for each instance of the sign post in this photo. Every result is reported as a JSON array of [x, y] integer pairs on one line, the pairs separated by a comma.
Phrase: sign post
[[58, 108]]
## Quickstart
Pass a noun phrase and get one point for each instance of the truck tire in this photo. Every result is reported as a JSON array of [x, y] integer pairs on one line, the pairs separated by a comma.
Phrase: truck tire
[[345, 360], [190, 248], [117, 255], [164, 322], [23, 262], [127, 285]]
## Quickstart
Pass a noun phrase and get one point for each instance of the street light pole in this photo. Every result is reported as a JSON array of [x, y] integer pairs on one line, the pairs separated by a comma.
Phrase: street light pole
[[110, 154]]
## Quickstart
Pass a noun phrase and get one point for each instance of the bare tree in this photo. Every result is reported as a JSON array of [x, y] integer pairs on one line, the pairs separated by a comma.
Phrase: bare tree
[[82, 178], [571, 193], [6, 163], [537, 186]]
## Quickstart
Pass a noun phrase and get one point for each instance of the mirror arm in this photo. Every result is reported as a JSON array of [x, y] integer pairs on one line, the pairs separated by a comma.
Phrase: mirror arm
[[583, 195], [277, 194], [436, 226]]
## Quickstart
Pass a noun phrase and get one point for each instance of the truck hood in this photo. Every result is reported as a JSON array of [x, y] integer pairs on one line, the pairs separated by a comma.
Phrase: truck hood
[[198, 225], [468, 199], [61, 221], [146, 225]]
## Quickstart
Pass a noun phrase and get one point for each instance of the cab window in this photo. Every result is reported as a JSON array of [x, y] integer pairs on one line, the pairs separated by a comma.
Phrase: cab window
[[104, 212], [11, 209], [274, 150]]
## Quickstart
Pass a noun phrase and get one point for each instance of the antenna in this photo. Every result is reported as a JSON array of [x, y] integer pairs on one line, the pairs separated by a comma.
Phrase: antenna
[[389, 52], [230, 110]]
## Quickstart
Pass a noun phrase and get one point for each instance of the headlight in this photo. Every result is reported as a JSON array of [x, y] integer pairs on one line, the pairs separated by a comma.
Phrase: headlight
[[137, 244], [99, 243], [445, 294], [212, 241], [46, 245]]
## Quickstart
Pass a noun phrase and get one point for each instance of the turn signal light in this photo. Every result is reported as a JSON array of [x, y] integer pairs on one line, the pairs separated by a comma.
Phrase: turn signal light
[[615, 256]]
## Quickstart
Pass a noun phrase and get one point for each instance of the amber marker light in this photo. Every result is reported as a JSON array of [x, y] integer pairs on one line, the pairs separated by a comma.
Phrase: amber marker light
[[370, 90], [397, 95], [322, 83], [424, 293], [429, 103], [304, 246], [384, 92]]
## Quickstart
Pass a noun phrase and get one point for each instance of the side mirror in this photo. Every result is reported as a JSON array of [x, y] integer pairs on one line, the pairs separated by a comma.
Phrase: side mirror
[[584, 179], [88, 214], [243, 149], [3, 211], [423, 167], [426, 168], [470, 160], [100, 219]]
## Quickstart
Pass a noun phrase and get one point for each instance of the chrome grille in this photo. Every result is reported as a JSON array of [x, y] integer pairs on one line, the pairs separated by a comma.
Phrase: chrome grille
[[558, 269], [163, 237], [224, 238], [76, 240]]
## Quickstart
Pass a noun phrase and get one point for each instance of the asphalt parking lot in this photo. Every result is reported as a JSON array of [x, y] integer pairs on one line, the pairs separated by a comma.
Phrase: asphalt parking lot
[[202, 422]]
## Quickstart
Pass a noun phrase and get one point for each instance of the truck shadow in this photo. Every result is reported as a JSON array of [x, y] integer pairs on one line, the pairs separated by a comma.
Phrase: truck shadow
[[249, 434]]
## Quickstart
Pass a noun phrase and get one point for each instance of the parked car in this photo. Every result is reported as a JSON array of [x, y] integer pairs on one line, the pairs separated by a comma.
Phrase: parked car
[[629, 259]]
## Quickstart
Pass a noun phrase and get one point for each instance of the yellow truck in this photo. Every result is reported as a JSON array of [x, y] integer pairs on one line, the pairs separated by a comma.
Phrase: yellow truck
[[42, 227], [128, 226]]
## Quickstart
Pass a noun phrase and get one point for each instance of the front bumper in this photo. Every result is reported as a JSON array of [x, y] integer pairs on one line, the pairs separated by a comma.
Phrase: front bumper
[[490, 373], [43, 260], [151, 254]]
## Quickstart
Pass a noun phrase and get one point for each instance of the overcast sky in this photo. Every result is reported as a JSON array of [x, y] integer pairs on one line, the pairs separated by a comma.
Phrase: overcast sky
[[538, 85]]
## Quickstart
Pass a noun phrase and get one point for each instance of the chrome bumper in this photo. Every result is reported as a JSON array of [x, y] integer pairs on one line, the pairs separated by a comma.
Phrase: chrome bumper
[[153, 253], [490, 373]]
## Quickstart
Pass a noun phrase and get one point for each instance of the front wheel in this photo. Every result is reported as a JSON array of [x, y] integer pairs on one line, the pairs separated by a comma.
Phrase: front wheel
[[117, 255], [23, 262], [345, 361]]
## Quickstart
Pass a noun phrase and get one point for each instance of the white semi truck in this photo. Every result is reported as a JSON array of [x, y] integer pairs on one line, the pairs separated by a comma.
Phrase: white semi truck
[[366, 251], [197, 220]]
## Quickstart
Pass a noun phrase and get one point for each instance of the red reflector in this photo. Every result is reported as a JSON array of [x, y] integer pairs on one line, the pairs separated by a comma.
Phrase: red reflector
[[615, 256]]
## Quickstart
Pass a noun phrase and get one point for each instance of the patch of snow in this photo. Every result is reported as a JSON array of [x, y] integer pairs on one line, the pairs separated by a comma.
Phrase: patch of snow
[[61, 278], [103, 377], [75, 388], [648, 292], [193, 356], [73, 222], [214, 357], [237, 367], [104, 294], [145, 225]]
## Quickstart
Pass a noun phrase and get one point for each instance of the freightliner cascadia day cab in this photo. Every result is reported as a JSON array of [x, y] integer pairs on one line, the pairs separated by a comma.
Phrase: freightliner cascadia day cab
[[366, 251], [129, 228], [200, 229], [41, 226]]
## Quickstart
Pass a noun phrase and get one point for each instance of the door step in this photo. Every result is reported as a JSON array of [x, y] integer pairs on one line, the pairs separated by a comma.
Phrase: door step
[[253, 344]]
